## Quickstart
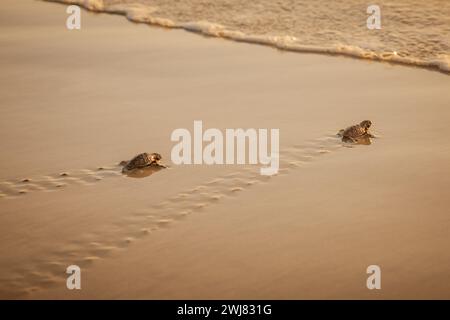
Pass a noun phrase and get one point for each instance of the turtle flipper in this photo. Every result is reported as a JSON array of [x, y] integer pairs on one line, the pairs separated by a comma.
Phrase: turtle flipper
[[123, 163], [348, 139], [157, 164]]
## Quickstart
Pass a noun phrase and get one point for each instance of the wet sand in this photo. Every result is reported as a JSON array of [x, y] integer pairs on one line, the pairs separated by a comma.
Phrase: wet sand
[[75, 101]]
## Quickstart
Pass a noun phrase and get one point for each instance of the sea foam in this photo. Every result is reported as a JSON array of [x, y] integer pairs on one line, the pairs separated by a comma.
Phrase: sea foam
[[413, 32]]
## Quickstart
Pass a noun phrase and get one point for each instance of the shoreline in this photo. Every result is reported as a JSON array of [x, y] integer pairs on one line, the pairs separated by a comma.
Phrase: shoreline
[[133, 14]]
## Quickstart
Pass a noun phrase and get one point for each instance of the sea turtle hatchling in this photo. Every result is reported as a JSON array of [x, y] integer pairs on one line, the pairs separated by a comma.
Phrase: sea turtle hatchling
[[356, 132], [143, 160]]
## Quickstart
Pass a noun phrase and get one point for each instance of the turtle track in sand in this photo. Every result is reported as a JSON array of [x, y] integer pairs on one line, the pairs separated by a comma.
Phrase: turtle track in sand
[[14, 188], [41, 273]]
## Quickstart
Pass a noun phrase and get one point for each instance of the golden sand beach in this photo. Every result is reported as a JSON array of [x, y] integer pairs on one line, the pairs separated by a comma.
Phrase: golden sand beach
[[76, 103]]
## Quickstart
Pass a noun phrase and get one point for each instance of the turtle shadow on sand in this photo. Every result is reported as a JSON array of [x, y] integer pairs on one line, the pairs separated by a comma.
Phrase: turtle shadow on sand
[[365, 140], [142, 172]]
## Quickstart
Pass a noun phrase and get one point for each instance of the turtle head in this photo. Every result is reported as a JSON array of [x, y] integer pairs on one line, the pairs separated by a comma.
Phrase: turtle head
[[366, 124], [155, 157]]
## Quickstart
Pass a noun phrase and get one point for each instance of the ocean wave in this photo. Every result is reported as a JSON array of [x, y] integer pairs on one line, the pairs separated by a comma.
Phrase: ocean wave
[[149, 12]]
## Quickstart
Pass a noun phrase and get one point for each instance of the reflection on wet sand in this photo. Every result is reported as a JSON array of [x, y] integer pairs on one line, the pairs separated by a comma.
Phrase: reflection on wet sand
[[364, 140], [143, 172]]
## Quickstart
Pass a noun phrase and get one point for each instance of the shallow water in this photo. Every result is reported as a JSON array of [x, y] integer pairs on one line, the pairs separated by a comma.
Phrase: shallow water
[[412, 31]]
